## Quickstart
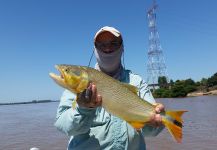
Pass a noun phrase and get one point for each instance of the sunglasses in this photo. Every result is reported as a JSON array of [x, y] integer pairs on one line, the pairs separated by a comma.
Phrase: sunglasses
[[112, 44]]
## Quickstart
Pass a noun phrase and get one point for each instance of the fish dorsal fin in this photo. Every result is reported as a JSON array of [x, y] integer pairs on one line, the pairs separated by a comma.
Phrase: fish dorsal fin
[[131, 87]]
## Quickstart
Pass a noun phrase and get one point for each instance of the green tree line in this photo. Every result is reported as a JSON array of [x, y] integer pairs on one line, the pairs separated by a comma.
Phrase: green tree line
[[180, 88]]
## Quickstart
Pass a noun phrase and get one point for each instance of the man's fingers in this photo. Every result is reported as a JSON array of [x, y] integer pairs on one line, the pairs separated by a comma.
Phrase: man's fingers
[[156, 121], [90, 97], [88, 94], [159, 107], [157, 110], [94, 91], [99, 100]]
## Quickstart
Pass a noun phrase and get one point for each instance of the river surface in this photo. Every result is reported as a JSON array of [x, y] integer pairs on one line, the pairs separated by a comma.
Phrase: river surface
[[31, 125]]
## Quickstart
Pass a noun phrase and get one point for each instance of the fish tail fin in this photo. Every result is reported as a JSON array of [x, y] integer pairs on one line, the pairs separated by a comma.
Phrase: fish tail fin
[[173, 122]]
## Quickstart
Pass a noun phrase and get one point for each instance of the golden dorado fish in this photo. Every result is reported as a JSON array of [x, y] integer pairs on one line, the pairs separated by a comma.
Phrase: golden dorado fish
[[119, 99]]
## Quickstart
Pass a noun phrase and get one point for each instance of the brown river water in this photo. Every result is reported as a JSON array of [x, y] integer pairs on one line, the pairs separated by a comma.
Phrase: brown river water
[[31, 125]]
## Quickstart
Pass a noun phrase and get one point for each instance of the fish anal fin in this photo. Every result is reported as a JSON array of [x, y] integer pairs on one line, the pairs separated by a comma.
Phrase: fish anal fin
[[131, 87], [136, 125]]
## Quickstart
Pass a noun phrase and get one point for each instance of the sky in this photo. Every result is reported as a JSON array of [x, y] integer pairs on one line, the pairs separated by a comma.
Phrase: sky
[[37, 34]]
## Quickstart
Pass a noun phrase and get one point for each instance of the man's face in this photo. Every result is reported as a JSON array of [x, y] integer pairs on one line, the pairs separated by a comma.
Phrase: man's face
[[107, 42]]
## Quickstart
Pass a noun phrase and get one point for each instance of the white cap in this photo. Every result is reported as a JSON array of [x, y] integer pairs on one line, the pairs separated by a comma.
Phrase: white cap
[[112, 30]]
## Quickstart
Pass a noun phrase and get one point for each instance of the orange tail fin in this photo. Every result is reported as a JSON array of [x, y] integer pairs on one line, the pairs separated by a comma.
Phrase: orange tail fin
[[173, 122]]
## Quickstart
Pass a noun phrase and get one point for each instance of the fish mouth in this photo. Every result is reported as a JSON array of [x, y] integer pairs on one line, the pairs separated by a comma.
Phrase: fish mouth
[[58, 78]]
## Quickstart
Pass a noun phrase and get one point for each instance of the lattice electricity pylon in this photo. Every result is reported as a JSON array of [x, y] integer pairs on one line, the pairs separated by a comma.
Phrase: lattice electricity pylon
[[156, 64]]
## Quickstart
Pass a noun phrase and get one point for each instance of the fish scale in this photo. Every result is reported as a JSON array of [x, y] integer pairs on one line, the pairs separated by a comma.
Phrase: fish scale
[[131, 102]]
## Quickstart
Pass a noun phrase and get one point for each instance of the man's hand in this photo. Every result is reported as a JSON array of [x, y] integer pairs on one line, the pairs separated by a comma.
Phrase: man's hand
[[156, 119], [89, 98]]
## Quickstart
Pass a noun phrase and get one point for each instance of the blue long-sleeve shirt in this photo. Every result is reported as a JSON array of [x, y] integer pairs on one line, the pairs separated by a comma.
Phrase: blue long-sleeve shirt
[[96, 129]]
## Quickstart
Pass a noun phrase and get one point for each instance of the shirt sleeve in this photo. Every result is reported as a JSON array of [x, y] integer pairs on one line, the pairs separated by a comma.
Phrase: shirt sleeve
[[73, 121], [145, 93]]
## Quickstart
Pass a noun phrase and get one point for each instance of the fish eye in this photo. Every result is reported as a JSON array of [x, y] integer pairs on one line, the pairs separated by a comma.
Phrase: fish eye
[[66, 70]]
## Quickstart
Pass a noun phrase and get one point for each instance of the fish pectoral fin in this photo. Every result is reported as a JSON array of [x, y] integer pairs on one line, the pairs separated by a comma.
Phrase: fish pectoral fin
[[82, 85], [136, 125], [131, 87]]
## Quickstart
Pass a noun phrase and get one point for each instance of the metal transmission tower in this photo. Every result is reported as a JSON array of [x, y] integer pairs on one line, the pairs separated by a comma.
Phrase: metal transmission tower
[[156, 65]]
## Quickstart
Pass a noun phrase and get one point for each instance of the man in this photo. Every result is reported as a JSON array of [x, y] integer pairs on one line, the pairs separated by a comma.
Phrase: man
[[88, 124]]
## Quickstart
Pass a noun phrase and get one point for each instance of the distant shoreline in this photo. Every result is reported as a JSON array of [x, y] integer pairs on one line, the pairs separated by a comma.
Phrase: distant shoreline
[[30, 102], [199, 93]]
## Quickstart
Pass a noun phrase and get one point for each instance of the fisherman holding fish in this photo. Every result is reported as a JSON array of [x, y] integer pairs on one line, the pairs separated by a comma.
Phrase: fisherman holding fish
[[87, 123]]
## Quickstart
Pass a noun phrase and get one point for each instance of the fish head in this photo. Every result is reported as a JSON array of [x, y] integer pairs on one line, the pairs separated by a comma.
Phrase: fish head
[[73, 78]]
